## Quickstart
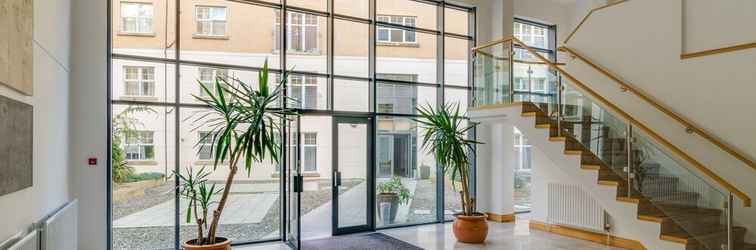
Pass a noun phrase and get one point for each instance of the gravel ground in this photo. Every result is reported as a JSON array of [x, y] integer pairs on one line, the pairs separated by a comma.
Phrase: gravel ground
[[163, 237], [451, 201], [153, 196], [424, 199]]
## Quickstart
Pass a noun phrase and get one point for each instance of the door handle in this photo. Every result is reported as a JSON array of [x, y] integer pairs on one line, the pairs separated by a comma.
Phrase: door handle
[[337, 179], [298, 184]]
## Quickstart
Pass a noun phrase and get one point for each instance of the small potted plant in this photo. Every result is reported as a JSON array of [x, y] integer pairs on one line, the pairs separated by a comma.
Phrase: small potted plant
[[445, 134], [193, 187], [393, 193], [244, 123]]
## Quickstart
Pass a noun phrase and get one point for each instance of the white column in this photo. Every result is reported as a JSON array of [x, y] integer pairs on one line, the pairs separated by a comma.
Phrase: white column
[[502, 169], [483, 168]]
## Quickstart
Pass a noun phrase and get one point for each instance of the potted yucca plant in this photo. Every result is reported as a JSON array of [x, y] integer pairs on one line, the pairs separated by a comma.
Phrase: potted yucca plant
[[244, 123], [445, 135]]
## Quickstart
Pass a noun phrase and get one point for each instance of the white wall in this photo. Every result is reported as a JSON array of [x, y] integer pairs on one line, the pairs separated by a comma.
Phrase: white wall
[[544, 172], [704, 29], [50, 101], [715, 92], [88, 127], [564, 14]]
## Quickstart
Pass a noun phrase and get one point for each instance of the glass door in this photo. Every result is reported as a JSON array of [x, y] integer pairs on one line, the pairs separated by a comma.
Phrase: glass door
[[294, 183], [352, 175]]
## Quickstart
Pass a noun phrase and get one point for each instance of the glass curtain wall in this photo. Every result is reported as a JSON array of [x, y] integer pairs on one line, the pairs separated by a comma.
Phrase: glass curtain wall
[[373, 58]]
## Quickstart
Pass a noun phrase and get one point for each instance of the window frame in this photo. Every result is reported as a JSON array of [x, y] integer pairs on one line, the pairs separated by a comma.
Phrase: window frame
[[212, 21], [140, 81], [305, 146], [211, 83], [176, 100], [303, 33], [137, 19], [390, 30], [205, 141], [140, 145]]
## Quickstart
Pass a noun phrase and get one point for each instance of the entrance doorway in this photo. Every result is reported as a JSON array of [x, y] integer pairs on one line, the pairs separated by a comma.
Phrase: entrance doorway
[[352, 147]]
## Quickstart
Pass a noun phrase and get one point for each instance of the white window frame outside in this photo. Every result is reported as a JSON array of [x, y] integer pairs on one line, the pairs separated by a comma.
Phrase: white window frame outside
[[145, 87], [206, 144], [520, 149], [139, 19], [533, 33], [306, 84], [210, 19], [139, 142], [311, 145], [409, 21], [305, 26], [210, 83]]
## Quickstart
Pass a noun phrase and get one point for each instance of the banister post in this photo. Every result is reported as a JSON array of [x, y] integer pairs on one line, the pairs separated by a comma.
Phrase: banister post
[[629, 163], [729, 211]]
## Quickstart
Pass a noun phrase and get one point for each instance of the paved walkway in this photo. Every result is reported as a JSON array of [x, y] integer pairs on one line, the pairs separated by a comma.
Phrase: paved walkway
[[240, 209]]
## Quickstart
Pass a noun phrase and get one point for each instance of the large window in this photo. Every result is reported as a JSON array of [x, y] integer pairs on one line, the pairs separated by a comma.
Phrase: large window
[[136, 17], [396, 35], [211, 21], [139, 81], [339, 61]]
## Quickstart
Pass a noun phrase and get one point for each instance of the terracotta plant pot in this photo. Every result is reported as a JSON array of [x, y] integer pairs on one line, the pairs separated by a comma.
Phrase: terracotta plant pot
[[222, 244], [471, 229]]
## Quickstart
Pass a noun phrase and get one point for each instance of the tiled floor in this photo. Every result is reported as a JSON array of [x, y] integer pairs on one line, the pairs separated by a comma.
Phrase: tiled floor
[[513, 236]]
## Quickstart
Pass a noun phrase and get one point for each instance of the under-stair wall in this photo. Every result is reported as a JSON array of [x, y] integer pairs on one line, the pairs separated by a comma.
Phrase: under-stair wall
[[625, 222], [641, 41]]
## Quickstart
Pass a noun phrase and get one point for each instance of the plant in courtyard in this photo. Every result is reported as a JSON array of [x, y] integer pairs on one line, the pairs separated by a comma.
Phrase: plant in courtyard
[[124, 126], [395, 186], [445, 134], [243, 125], [391, 193]]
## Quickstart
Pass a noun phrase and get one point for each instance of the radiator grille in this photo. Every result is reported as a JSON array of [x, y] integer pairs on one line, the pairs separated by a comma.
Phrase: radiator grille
[[571, 206]]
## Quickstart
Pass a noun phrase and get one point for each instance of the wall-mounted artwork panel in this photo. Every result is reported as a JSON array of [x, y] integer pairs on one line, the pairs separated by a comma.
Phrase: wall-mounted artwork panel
[[16, 145], [16, 50]]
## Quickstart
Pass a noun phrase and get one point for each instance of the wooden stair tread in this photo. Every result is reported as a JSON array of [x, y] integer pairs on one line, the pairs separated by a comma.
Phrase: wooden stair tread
[[685, 237]]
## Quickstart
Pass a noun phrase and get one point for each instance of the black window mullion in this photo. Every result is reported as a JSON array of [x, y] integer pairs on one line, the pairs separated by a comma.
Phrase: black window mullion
[[440, 102], [330, 57], [177, 125]]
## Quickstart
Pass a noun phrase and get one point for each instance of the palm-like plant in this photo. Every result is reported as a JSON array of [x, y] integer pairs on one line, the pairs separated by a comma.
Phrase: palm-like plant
[[244, 123], [194, 188], [124, 126], [446, 136]]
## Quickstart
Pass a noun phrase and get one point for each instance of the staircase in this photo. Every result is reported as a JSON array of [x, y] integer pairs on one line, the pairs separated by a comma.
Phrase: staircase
[[667, 189], [660, 197]]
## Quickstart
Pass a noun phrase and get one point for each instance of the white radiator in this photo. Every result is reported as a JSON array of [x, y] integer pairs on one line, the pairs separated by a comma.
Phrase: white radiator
[[28, 242], [59, 231], [571, 206]]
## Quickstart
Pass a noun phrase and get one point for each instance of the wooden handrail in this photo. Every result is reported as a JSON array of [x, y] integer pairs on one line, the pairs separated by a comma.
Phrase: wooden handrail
[[677, 151], [585, 18], [744, 46], [689, 126], [491, 43]]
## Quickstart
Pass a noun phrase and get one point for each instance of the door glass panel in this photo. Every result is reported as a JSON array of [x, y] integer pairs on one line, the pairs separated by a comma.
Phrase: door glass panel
[[352, 165], [293, 196]]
